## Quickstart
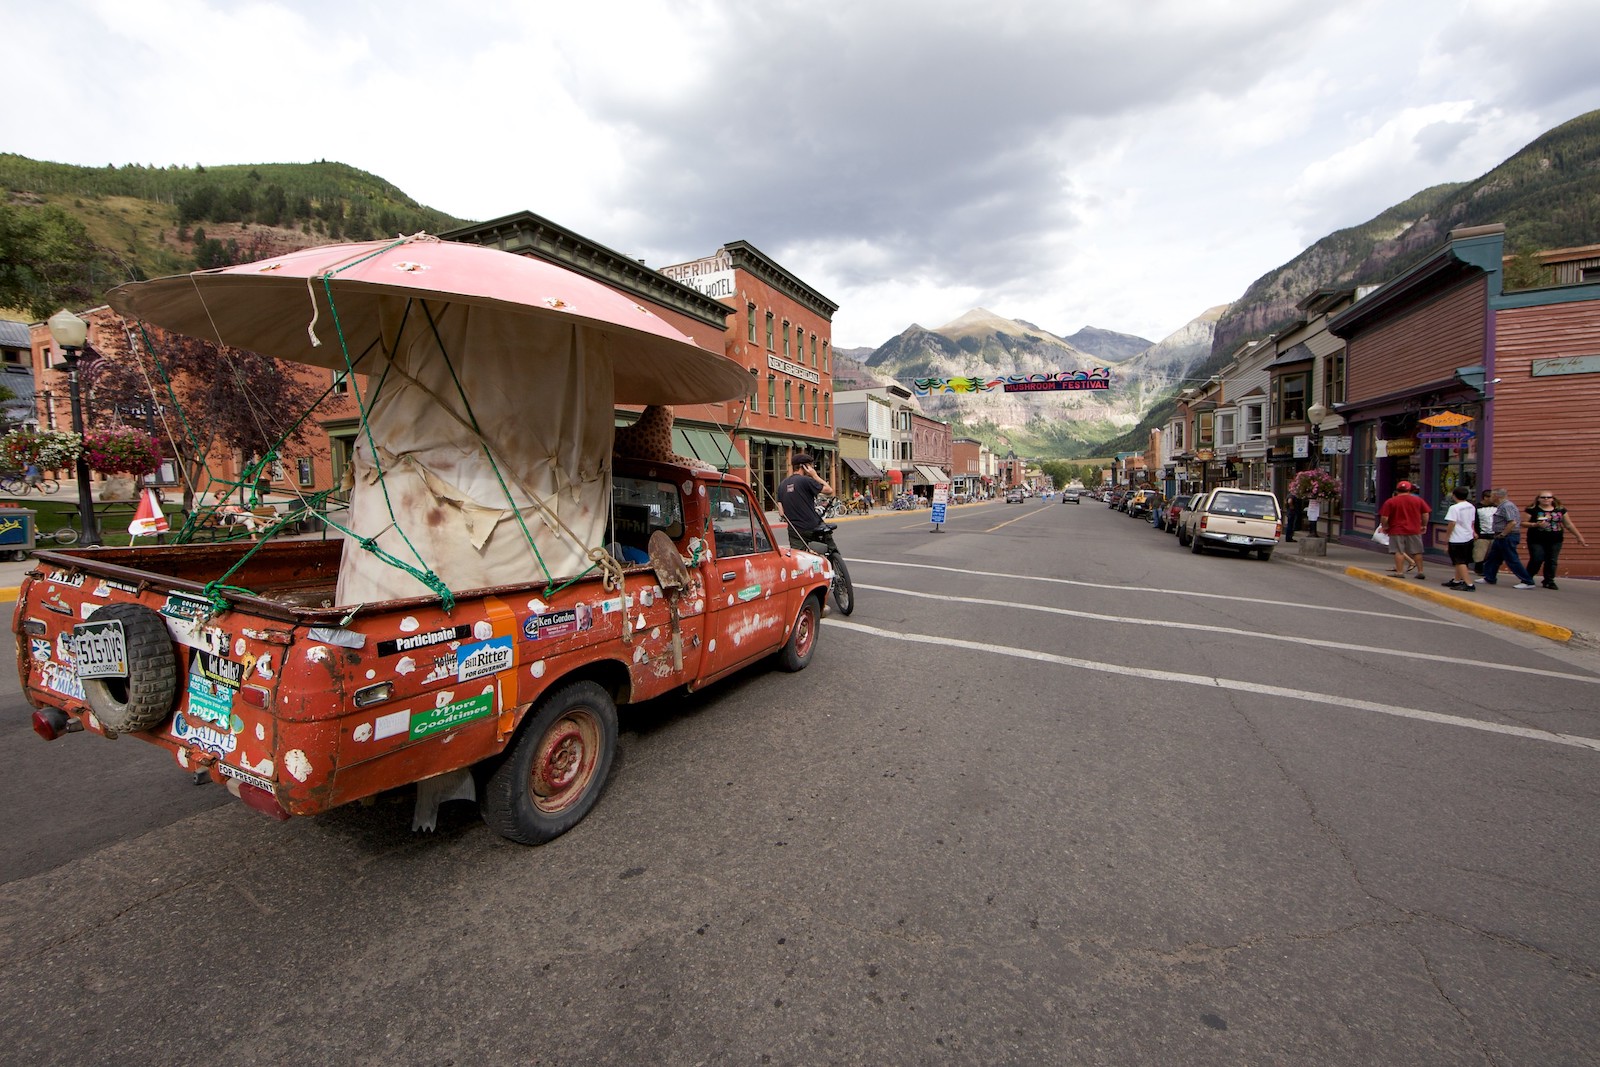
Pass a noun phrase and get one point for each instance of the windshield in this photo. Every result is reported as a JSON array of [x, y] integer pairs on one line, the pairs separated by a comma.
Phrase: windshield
[[1250, 505]]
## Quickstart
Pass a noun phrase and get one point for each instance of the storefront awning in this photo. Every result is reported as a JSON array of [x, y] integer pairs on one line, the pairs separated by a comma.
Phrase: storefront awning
[[865, 468], [931, 475], [708, 446]]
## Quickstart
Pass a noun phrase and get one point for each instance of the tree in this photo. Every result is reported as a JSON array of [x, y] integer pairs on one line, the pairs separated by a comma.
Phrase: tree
[[227, 399], [46, 260]]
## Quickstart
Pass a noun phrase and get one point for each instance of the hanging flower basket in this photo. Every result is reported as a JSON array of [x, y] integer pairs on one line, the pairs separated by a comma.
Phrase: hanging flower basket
[[121, 451], [1314, 485], [50, 449]]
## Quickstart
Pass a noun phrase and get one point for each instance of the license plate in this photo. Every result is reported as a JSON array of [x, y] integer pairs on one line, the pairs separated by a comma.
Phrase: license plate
[[1238, 539], [100, 649]]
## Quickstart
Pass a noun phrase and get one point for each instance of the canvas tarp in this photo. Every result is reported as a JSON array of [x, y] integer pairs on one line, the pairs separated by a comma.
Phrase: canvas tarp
[[540, 392]]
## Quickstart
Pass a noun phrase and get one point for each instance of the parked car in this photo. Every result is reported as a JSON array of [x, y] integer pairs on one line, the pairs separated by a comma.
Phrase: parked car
[[1114, 498], [1167, 518], [1071, 496], [1014, 496], [1245, 520]]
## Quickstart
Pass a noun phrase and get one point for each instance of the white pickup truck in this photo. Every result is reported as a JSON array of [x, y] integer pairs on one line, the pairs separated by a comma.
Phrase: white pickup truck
[[1241, 520]]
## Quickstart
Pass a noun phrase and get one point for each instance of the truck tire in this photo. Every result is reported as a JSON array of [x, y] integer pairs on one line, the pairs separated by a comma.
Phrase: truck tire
[[558, 767], [145, 697], [803, 638], [1196, 546]]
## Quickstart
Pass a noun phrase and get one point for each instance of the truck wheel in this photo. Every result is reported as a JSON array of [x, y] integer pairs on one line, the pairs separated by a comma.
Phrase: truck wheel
[[145, 697], [1263, 554], [558, 767], [803, 638], [1195, 546]]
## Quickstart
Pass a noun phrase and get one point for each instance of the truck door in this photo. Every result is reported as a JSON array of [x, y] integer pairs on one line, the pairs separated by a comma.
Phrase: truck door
[[747, 612]]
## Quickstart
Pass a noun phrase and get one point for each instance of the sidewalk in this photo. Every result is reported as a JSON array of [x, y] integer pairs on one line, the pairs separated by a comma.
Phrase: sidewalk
[[1569, 615]]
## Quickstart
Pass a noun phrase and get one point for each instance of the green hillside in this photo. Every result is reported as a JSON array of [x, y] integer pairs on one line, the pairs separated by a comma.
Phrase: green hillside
[[143, 222]]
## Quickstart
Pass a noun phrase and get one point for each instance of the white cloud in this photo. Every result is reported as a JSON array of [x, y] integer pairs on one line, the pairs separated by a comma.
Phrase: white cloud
[[1069, 163]]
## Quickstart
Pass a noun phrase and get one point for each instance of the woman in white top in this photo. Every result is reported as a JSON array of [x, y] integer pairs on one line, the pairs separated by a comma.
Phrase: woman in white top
[[1462, 522]]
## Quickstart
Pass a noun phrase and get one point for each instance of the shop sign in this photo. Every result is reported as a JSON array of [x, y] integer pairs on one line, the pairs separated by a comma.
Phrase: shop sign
[[794, 370], [1549, 368], [1401, 446]]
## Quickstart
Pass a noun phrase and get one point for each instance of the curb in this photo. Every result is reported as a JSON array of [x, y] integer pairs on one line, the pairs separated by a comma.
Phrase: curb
[[9, 594], [1467, 607]]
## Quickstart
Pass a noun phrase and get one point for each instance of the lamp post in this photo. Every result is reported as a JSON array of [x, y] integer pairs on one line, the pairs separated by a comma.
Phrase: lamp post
[[1315, 414], [69, 333]]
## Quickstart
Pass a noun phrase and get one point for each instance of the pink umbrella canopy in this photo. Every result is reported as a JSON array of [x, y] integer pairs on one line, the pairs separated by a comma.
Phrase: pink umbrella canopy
[[280, 307]]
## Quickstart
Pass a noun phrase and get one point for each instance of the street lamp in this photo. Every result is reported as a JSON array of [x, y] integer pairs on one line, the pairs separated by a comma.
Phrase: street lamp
[[69, 333]]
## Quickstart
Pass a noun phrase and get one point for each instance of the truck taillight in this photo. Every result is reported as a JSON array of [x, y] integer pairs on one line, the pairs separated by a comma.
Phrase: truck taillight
[[1203, 522], [261, 800], [51, 723]]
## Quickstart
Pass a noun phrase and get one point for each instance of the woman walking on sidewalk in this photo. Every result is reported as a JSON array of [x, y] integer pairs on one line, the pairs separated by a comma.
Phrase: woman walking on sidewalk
[[1461, 520], [1548, 522]]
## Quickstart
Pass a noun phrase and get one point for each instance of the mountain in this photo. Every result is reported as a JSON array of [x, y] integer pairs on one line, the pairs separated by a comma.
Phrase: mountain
[[983, 344], [147, 222], [1547, 195], [1107, 345]]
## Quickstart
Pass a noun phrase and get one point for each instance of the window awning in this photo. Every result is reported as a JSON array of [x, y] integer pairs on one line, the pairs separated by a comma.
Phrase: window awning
[[931, 475], [863, 467], [708, 446]]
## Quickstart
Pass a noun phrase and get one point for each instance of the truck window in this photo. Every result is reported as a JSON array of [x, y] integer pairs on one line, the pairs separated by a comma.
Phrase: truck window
[[733, 525], [1249, 505], [640, 507]]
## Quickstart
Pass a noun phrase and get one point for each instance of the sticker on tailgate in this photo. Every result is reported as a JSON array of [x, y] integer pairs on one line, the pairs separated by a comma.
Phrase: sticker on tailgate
[[100, 649]]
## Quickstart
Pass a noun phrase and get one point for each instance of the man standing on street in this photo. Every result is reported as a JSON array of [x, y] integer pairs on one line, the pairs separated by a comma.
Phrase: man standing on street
[[1503, 547], [797, 496], [1403, 517]]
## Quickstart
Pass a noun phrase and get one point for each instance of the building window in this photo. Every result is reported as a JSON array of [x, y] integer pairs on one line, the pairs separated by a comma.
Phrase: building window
[[304, 472], [802, 403], [788, 398], [813, 350], [755, 387], [1177, 436], [786, 340], [1333, 379], [1203, 430], [1364, 449], [1289, 398], [772, 394], [799, 345], [827, 409], [1224, 428], [769, 331], [341, 382], [824, 355], [1254, 423], [750, 321], [816, 413]]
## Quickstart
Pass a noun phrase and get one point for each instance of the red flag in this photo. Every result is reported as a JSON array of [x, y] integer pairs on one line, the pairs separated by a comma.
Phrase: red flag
[[149, 519]]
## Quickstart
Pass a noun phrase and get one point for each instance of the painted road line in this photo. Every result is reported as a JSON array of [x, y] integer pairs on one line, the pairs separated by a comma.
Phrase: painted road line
[[1229, 684], [1467, 607], [1251, 600], [1230, 631]]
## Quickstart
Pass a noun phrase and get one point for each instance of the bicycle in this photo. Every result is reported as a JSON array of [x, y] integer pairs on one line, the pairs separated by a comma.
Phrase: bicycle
[[19, 485], [822, 543]]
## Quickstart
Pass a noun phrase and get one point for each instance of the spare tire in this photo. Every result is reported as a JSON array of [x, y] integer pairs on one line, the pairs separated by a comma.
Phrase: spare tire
[[146, 695]]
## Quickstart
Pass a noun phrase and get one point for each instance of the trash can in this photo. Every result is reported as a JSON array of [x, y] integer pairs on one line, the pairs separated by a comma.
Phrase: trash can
[[18, 528]]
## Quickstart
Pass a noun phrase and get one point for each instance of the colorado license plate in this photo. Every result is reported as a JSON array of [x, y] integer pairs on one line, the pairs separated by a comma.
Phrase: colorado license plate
[[1238, 539], [100, 649]]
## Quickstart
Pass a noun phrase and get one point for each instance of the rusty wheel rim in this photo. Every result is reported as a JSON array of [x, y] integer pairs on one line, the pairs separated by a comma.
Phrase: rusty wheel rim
[[564, 765], [805, 630]]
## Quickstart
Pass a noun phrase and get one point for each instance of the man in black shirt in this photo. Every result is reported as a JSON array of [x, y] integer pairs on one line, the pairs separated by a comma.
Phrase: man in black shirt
[[797, 496]]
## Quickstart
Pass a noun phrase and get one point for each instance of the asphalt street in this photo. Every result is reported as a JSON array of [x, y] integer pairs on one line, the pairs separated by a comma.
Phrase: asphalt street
[[1058, 792]]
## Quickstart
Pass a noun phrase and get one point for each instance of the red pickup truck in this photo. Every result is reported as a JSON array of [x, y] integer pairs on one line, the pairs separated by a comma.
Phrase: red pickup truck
[[509, 696]]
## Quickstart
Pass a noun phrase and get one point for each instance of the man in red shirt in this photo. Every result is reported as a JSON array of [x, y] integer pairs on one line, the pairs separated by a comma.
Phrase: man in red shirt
[[1403, 517]]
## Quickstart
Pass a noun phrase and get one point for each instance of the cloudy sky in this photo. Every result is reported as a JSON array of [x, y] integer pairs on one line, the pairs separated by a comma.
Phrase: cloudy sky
[[1117, 163]]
